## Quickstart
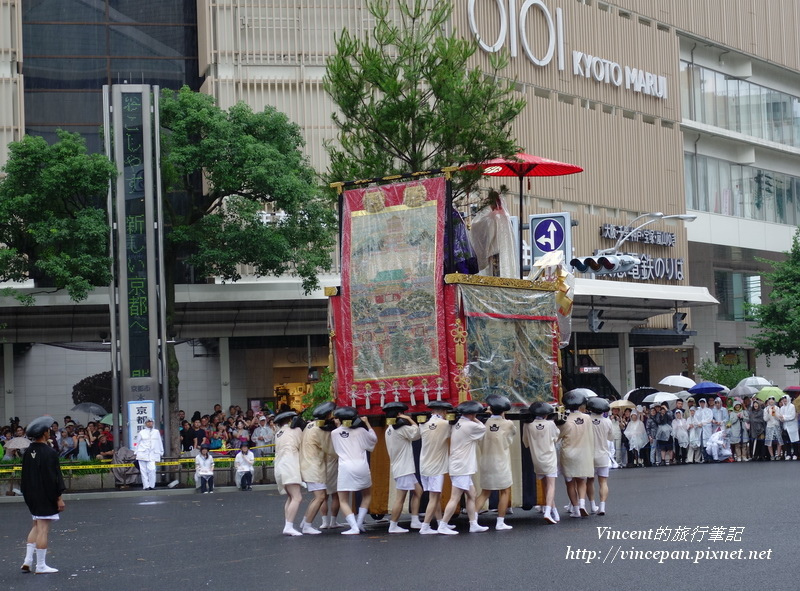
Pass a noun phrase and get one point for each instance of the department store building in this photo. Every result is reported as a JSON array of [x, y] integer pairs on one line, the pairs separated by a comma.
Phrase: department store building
[[668, 106]]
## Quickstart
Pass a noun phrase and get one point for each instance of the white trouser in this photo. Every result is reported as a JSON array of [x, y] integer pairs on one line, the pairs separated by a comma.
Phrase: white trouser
[[148, 470]]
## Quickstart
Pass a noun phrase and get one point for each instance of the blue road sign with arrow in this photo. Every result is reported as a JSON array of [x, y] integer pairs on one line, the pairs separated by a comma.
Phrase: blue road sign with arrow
[[550, 232]]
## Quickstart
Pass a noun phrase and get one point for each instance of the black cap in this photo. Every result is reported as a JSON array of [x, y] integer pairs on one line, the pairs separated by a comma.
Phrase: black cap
[[440, 404], [470, 407], [394, 408], [39, 426], [598, 405], [541, 409], [573, 400], [498, 403], [345, 413], [285, 416], [205, 446], [323, 410]]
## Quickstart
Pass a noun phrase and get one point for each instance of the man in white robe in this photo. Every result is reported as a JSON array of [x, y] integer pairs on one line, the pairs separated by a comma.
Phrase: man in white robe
[[351, 444], [495, 461], [149, 448], [463, 464]]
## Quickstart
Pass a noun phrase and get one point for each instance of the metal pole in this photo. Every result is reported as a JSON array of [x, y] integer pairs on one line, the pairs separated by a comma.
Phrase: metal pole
[[520, 226], [112, 286]]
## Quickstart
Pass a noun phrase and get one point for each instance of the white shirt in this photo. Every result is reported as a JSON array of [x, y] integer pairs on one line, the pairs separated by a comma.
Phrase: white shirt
[[577, 446], [435, 455], [287, 457], [204, 466], [540, 436], [148, 445], [401, 453], [495, 462], [244, 461], [463, 446], [314, 454], [603, 433], [351, 445]]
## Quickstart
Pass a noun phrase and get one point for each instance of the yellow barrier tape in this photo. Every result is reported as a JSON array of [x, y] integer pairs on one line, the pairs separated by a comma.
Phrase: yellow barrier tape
[[104, 465]]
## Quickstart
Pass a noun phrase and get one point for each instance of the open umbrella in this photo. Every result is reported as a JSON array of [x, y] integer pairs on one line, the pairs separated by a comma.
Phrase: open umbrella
[[792, 389], [755, 381], [520, 166], [770, 392], [18, 443], [585, 391], [660, 397], [622, 404], [90, 408], [109, 419], [637, 395], [743, 390], [706, 388], [678, 381]]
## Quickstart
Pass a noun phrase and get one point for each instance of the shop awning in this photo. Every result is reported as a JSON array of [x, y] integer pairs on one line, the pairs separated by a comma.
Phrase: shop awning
[[625, 302]]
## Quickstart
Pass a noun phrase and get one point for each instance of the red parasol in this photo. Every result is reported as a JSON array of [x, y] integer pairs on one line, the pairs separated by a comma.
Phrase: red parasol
[[523, 165]]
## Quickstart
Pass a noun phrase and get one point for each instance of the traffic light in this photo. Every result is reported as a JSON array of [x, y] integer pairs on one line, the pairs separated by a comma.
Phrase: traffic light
[[595, 320], [678, 324], [606, 264]]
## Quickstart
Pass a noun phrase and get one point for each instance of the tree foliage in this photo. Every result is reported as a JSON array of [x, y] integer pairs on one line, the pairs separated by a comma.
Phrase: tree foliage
[[779, 318], [246, 159], [408, 100], [95, 388], [53, 221], [727, 375]]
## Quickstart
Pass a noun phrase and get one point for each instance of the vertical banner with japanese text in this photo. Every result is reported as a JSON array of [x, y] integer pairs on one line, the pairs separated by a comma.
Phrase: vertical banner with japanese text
[[135, 151]]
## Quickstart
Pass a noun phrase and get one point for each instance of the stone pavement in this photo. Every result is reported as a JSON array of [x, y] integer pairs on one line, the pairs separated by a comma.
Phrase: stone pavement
[[704, 527]]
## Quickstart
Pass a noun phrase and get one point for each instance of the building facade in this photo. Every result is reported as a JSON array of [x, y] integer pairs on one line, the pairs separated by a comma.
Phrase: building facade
[[668, 106]]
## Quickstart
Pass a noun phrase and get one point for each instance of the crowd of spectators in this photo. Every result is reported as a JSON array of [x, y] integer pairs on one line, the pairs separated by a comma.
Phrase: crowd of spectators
[[704, 430], [73, 442], [224, 433]]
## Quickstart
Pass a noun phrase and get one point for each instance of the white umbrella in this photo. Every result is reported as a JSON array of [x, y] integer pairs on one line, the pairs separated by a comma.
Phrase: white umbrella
[[660, 397], [18, 443], [678, 381], [743, 390], [755, 381], [622, 404]]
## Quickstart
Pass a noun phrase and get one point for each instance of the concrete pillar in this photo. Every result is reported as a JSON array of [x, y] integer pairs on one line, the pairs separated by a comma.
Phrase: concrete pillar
[[225, 372], [627, 373]]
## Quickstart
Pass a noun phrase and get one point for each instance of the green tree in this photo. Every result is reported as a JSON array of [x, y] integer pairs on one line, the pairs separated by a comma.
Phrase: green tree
[[53, 220], [219, 169], [779, 318], [321, 392], [727, 375], [246, 160], [408, 100]]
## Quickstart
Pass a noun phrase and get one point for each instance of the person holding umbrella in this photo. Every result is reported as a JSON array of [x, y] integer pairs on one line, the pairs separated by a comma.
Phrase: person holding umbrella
[[773, 418], [789, 417], [42, 486], [704, 421], [756, 430]]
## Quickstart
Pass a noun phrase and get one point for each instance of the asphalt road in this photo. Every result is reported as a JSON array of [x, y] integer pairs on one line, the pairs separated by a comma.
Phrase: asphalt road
[[231, 540]]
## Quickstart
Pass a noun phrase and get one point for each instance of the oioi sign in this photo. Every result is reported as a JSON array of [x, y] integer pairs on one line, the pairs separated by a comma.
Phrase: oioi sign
[[513, 23]]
